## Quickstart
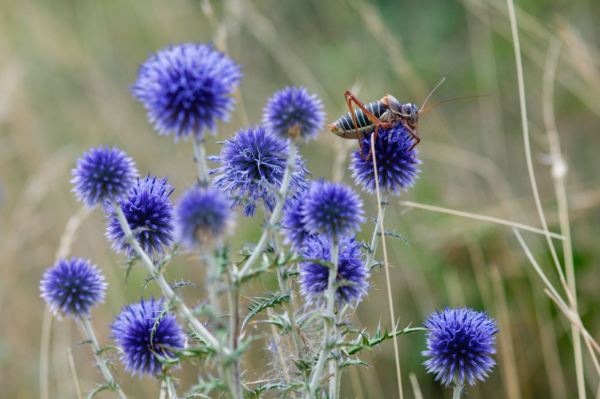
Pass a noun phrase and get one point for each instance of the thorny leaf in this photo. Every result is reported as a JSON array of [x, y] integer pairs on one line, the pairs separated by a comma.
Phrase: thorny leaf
[[353, 362], [161, 316], [204, 387], [167, 259], [259, 304], [107, 348], [85, 341], [110, 386], [184, 284], [365, 341], [146, 282]]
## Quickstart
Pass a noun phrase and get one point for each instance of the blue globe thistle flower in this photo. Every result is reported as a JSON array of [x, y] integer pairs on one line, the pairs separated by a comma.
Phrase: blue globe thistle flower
[[202, 216], [72, 287], [294, 229], [103, 175], [185, 88], [460, 341], [250, 158], [396, 165], [314, 278], [149, 209], [132, 331], [293, 113], [332, 209]]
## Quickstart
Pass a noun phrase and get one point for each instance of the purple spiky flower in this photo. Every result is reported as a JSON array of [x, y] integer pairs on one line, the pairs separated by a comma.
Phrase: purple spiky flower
[[332, 209], [186, 88], [149, 213], [103, 174], [314, 277], [252, 163], [293, 113], [132, 331], [460, 342], [202, 217], [396, 163], [71, 287]]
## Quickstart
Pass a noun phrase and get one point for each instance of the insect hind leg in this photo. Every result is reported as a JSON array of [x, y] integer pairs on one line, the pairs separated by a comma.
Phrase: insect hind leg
[[378, 123]]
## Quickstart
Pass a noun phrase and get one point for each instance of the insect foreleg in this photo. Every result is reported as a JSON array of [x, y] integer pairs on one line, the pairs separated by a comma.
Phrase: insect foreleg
[[413, 133]]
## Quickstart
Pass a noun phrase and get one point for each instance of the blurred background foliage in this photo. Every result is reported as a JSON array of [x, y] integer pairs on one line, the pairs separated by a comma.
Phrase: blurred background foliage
[[64, 70]]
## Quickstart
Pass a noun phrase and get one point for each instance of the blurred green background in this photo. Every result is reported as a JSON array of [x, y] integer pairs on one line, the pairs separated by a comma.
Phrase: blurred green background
[[64, 70]]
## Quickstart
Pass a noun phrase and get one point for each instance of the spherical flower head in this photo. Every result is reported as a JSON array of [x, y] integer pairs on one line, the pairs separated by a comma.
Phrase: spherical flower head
[[251, 158], [132, 331], [314, 277], [149, 212], [71, 287], [103, 174], [202, 217], [396, 162], [293, 113], [186, 88], [294, 229], [460, 341], [332, 209]]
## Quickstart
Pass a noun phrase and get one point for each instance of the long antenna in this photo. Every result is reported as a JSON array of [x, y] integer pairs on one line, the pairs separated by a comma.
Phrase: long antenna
[[434, 89], [459, 98]]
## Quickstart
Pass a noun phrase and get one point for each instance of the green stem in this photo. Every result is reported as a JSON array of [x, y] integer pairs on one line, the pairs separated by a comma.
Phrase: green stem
[[376, 236], [289, 307], [331, 289], [234, 310], [200, 155], [277, 211], [180, 308], [100, 358], [457, 387]]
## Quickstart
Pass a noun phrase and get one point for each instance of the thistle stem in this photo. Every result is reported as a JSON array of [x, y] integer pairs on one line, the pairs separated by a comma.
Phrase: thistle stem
[[386, 268], [180, 308], [234, 311], [289, 307], [212, 281], [331, 289], [457, 387], [277, 211], [100, 358], [376, 236], [200, 156]]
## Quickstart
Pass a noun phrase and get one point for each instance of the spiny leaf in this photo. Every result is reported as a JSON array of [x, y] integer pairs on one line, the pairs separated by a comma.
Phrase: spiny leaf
[[259, 304], [129, 266], [85, 341], [108, 348], [146, 282], [353, 362], [365, 341], [185, 284], [167, 259], [155, 326], [398, 236], [110, 386]]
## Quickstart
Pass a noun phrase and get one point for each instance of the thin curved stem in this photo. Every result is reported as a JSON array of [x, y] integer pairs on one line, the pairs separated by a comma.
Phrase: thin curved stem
[[100, 359], [376, 237], [387, 272], [277, 211], [457, 388], [318, 370], [180, 308], [200, 158]]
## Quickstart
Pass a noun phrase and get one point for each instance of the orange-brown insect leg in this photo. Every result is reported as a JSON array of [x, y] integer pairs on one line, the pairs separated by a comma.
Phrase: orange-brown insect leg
[[413, 133]]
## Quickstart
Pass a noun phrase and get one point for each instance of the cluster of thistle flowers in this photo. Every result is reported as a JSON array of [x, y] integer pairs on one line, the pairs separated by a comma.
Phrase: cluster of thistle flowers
[[186, 89]]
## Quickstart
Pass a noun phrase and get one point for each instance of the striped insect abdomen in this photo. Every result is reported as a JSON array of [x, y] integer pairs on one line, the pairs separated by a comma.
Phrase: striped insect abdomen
[[344, 127]]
